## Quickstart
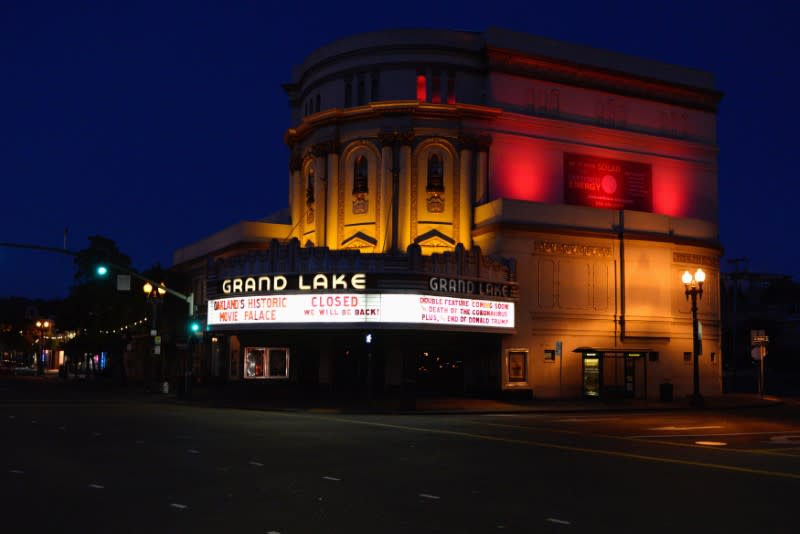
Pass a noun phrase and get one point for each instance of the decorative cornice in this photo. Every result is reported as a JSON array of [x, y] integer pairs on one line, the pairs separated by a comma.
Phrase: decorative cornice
[[504, 60], [377, 110], [478, 143], [698, 259], [405, 137], [327, 147], [572, 249]]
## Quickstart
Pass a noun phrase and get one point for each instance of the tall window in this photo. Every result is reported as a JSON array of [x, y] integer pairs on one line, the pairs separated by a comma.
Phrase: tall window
[[360, 175], [375, 89], [310, 186], [436, 88], [421, 89], [435, 175], [362, 91], [348, 94], [451, 89]]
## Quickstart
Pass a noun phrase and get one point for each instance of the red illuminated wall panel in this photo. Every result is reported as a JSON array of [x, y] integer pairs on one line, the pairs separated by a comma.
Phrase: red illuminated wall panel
[[607, 183], [523, 170]]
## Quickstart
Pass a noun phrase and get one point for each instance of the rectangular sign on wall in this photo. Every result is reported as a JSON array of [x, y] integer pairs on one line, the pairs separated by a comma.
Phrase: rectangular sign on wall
[[391, 308], [607, 183]]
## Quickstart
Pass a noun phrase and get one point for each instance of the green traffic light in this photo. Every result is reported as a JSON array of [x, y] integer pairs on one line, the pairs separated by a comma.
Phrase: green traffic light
[[101, 270], [194, 327]]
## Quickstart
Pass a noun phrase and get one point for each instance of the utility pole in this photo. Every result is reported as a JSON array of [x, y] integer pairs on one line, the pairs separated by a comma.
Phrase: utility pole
[[736, 275]]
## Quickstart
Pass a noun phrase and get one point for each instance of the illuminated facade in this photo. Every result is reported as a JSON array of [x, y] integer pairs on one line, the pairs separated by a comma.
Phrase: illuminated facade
[[500, 212]]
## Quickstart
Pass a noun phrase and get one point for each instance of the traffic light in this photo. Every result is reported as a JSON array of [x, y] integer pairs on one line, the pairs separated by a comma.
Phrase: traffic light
[[195, 327], [101, 270]]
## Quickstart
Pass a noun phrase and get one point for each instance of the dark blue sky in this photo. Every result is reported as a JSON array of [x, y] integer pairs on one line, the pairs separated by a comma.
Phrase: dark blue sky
[[158, 123]]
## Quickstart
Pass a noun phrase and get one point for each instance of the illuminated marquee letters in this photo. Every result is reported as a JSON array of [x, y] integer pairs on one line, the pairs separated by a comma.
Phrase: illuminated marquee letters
[[248, 285], [332, 281], [455, 285], [304, 282]]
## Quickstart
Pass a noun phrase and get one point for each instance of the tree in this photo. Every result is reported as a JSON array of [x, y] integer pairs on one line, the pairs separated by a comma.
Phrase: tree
[[95, 308], [101, 250]]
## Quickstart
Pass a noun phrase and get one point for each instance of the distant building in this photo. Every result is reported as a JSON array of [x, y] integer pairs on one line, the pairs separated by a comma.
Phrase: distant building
[[488, 213], [761, 301]]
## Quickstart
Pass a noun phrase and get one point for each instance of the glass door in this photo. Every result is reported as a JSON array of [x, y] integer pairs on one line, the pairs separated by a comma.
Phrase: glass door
[[591, 375]]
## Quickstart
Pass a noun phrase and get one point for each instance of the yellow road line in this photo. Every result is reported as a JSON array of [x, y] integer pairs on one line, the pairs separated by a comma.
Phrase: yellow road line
[[571, 448], [669, 443]]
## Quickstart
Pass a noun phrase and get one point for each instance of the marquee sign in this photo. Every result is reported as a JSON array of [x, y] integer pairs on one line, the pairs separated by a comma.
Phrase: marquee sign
[[302, 282], [460, 285], [312, 282], [607, 183], [359, 308]]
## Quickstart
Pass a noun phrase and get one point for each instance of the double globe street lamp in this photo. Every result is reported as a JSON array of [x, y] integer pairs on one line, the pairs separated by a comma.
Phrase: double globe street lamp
[[693, 284], [42, 326], [155, 295]]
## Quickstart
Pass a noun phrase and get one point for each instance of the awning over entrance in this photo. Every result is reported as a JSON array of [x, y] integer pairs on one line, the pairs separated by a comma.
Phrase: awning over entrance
[[630, 353]]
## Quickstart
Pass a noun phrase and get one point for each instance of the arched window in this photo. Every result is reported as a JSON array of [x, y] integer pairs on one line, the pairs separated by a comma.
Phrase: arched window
[[435, 175], [310, 186], [360, 175]]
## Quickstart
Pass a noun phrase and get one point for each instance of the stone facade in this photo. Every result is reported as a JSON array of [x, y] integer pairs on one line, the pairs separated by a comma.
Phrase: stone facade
[[587, 179]]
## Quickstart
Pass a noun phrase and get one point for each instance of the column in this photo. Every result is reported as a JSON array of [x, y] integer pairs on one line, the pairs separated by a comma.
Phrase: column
[[332, 195], [297, 197], [482, 169], [404, 193], [388, 202], [465, 198], [320, 153]]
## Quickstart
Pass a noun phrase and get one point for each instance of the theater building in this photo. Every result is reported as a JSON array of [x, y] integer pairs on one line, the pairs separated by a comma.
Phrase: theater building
[[476, 213]]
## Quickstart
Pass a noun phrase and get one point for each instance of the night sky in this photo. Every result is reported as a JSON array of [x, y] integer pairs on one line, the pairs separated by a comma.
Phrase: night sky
[[156, 124]]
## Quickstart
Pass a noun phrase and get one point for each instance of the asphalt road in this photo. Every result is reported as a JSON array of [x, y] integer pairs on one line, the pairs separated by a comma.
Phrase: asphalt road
[[89, 462]]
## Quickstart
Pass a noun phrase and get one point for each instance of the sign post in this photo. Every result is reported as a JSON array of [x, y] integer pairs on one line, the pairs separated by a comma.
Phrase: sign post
[[559, 354], [759, 340]]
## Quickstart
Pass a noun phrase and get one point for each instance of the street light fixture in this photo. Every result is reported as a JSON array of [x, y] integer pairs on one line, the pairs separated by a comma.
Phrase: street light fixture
[[154, 295], [693, 285], [154, 292], [41, 326]]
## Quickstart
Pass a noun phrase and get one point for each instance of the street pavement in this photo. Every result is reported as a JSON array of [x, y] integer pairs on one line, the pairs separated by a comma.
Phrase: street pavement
[[92, 456], [250, 398]]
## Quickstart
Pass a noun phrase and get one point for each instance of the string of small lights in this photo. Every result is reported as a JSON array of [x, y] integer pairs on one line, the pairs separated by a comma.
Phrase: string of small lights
[[124, 328]]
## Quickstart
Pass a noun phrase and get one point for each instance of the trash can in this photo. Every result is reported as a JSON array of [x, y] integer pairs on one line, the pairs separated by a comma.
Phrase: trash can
[[665, 392]]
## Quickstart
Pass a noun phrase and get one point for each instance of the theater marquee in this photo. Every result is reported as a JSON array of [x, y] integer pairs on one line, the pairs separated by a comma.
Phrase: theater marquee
[[362, 308]]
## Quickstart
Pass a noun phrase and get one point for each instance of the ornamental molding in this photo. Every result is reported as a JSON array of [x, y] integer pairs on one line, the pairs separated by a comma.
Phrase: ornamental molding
[[405, 137], [572, 249], [682, 257], [319, 150], [477, 143]]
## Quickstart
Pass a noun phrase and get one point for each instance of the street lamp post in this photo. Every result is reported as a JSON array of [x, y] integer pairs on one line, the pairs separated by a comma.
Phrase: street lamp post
[[154, 295], [41, 326], [693, 285]]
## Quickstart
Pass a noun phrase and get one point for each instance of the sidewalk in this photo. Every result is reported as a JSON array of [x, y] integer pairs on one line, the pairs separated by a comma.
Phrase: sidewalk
[[458, 404], [317, 402]]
